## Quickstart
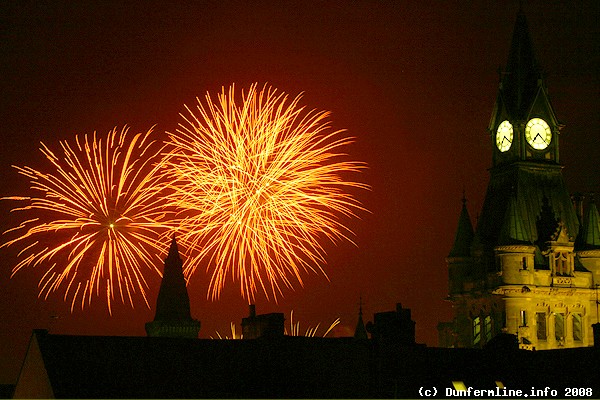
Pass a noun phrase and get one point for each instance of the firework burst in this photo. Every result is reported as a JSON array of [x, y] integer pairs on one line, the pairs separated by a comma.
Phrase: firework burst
[[94, 223], [261, 183]]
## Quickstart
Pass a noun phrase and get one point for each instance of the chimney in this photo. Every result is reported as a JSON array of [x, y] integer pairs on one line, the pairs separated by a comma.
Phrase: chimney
[[263, 325]]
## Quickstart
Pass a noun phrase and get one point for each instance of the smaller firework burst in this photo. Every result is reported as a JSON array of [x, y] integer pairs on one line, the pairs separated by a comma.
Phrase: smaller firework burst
[[94, 220], [294, 330], [310, 331]]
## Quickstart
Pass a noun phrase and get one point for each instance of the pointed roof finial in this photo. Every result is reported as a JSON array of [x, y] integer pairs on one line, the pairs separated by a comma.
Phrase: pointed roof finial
[[360, 304], [173, 249]]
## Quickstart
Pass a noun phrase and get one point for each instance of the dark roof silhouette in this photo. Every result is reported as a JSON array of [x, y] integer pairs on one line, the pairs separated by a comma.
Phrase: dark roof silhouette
[[63, 366]]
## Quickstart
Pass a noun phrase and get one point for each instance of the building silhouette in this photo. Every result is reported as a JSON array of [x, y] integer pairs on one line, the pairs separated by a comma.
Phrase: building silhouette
[[65, 366], [532, 265]]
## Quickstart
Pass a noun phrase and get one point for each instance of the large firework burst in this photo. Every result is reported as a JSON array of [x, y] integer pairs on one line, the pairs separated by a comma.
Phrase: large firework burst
[[94, 223], [261, 183]]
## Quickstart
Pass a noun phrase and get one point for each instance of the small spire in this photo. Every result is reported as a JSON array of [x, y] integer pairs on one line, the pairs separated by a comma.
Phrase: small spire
[[360, 332], [360, 303], [464, 233]]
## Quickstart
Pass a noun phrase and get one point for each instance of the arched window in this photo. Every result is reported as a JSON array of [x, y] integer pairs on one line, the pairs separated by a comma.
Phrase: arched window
[[559, 327], [540, 319]]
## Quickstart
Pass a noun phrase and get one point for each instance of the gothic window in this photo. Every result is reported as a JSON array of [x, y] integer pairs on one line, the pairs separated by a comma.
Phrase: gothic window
[[541, 325], [476, 330], [559, 327], [524, 263], [487, 328], [577, 332]]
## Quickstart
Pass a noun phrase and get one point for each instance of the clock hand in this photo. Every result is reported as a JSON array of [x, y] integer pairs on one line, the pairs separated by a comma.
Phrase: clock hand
[[540, 136]]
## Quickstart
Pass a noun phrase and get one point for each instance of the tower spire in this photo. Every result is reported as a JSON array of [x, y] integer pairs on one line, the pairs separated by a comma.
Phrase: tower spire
[[173, 317], [522, 74]]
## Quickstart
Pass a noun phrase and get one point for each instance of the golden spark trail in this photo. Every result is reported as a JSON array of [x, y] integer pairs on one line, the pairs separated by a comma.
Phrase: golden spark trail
[[96, 219], [260, 183]]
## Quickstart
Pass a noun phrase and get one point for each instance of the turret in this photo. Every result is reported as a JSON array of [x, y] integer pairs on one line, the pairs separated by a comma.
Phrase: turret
[[459, 259], [514, 253]]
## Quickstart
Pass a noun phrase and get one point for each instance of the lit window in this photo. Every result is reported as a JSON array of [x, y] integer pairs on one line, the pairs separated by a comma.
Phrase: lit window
[[523, 318], [487, 328], [559, 327], [476, 330], [541, 325], [577, 332], [561, 264]]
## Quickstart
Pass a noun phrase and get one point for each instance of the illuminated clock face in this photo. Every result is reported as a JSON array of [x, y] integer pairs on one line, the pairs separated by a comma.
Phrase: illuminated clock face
[[538, 133], [504, 136]]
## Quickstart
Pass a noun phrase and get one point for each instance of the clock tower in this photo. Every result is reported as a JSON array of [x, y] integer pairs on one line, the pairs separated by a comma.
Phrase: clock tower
[[521, 271], [523, 126]]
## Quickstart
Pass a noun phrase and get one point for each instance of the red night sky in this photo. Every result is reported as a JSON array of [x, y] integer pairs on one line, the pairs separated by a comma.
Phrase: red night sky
[[414, 81]]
